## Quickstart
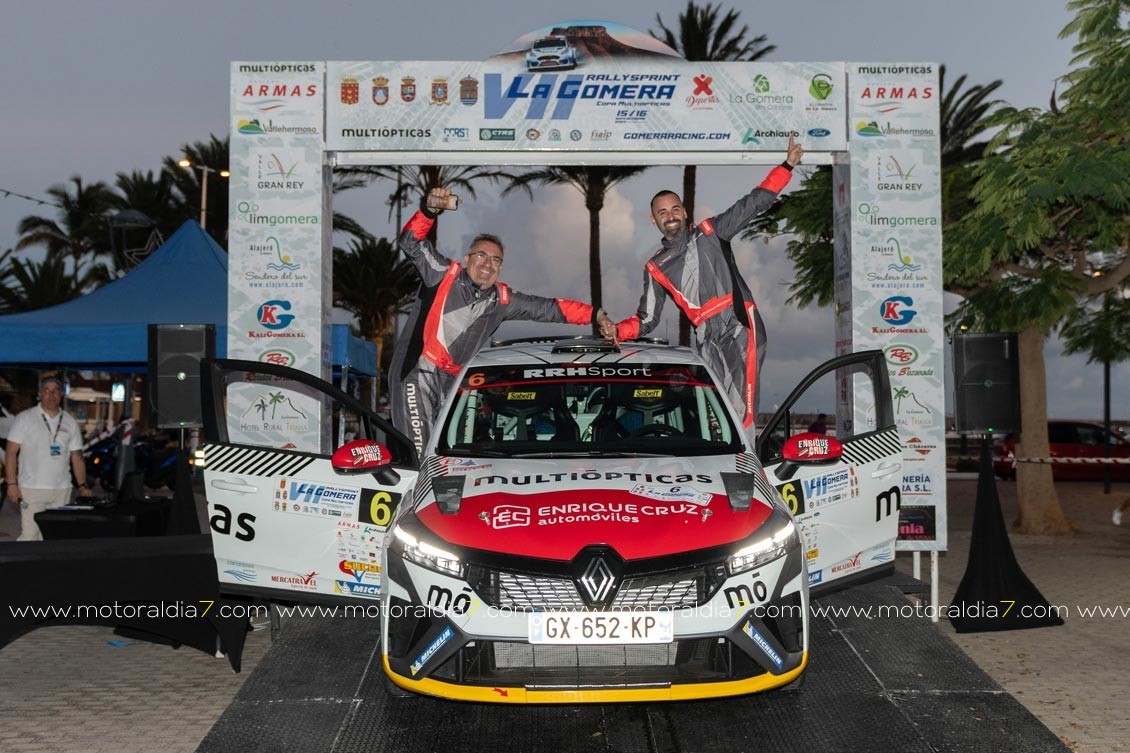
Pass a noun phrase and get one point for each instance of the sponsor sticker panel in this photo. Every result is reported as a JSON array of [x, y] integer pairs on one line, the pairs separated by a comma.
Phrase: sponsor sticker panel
[[624, 105], [277, 274], [896, 272]]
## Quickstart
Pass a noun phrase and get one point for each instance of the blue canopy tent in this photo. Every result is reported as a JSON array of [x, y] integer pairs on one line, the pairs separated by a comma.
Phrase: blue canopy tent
[[185, 281]]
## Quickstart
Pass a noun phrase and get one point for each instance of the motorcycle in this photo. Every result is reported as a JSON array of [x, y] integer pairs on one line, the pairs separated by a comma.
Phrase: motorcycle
[[154, 458]]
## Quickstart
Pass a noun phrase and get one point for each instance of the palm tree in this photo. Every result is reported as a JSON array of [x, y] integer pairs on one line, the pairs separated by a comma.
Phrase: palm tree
[[370, 281], [417, 181], [703, 36], [81, 228], [153, 196], [27, 285], [807, 212], [186, 184], [594, 183]]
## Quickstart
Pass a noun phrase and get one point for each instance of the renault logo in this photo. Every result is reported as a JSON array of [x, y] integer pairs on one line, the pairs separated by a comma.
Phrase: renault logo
[[597, 580]]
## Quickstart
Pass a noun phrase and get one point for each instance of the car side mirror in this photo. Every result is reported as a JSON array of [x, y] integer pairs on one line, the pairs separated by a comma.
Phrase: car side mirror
[[365, 456], [808, 448]]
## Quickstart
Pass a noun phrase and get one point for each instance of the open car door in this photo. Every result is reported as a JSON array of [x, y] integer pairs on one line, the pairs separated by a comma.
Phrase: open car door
[[293, 516], [844, 491]]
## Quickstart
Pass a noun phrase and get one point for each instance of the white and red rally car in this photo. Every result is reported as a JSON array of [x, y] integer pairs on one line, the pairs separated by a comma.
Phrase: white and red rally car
[[589, 523]]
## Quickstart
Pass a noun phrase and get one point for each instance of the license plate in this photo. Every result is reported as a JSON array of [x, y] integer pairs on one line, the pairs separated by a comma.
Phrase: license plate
[[589, 628]]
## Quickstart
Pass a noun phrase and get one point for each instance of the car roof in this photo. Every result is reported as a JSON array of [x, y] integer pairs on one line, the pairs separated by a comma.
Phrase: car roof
[[583, 350]]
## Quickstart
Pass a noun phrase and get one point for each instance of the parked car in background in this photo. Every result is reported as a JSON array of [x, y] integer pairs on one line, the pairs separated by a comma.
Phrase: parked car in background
[[1072, 439]]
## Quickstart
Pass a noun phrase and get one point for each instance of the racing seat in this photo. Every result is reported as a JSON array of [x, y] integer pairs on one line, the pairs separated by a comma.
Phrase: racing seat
[[536, 411], [631, 409]]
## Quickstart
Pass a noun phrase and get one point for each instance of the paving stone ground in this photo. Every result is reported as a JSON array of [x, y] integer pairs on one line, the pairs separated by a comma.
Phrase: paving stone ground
[[66, 690]]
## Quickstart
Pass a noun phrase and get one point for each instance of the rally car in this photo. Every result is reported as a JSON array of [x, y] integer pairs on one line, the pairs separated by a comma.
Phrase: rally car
[[551, 53], [589, 522]]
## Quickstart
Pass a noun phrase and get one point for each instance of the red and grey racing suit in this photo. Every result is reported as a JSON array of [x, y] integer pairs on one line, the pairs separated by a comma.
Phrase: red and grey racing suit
[[449, 322], [698, 271]]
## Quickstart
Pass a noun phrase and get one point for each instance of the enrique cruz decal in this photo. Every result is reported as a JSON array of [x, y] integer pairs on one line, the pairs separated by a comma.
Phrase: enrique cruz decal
[[520, 516]]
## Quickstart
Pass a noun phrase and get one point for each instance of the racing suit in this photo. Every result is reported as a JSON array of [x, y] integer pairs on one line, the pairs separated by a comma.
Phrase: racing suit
[[450, 320], [698, 271]]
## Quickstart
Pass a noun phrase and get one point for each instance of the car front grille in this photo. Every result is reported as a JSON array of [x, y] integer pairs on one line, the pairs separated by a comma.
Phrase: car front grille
[[511, 655], [534, 593], [682, 589]]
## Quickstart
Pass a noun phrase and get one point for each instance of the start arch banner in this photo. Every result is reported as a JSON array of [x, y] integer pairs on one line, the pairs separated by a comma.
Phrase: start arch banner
[[619, 105], [552, 100]]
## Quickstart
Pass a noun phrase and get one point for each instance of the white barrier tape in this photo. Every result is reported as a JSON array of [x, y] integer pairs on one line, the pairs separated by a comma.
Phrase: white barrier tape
[[1070, 461]]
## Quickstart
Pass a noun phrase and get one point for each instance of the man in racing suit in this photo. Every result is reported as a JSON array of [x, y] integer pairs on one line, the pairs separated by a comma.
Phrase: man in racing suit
[[696, 267], [458, 307]]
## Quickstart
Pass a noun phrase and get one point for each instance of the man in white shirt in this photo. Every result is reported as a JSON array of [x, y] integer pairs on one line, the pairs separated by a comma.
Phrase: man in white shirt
[[41, 441]]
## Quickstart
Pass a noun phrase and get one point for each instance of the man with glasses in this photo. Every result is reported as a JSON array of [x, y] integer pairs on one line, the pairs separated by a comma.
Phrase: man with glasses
[[457, 309]]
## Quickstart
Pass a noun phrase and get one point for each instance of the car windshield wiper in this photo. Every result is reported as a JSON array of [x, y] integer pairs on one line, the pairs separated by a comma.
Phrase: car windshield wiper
[[591, 454], [474, 452]]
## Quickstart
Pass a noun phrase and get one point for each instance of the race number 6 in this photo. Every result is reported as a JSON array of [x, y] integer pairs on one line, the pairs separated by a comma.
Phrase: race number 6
[[789, 495], [380, 508]]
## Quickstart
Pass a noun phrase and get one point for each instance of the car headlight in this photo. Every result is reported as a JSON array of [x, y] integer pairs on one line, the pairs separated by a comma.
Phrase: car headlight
[[426, 555], [781, 537]]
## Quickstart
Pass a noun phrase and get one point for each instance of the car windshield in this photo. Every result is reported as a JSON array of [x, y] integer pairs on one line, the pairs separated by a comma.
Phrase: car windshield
[[588, 410], [548, 44]]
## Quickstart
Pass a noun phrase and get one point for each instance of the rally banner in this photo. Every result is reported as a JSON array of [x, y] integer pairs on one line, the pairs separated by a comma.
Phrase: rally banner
[[616, 104], [896, 272], [278, 274]]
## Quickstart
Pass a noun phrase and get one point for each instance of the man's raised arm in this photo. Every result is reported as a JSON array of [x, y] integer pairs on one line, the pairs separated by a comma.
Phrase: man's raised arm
[[420, 251], [729, 223]]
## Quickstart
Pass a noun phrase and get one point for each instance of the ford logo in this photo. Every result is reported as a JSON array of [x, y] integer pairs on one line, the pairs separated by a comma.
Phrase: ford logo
[[819, 132]]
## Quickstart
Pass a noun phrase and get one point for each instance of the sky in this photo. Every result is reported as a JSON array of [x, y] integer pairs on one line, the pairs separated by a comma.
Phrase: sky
[[93, 89]]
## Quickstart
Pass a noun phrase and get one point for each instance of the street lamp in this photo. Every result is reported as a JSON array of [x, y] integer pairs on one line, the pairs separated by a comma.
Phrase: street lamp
[[204, 170]]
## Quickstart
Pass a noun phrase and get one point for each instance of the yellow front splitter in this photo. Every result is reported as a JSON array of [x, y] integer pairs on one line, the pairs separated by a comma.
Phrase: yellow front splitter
[[519, 694]]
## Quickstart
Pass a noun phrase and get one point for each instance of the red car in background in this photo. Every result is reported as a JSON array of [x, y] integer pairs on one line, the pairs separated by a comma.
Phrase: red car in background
[[1071, 439]]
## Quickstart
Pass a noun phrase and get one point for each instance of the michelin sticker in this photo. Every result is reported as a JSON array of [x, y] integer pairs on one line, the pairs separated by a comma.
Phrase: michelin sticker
[[431, 650], [762, 644]]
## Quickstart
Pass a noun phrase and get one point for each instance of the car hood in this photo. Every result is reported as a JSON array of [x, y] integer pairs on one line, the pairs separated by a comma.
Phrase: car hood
[[552, 509]]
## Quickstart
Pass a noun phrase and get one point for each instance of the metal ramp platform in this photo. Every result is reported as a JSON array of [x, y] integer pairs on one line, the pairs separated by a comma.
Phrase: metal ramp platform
[[884, 685]]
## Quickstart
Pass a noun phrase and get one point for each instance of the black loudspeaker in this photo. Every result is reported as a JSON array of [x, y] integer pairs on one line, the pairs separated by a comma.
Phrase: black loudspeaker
[[987, 376], [175, 351]]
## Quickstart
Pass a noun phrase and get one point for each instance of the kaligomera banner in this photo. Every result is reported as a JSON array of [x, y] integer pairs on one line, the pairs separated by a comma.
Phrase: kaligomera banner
[[896, 272], [632, 103], [278, 267]]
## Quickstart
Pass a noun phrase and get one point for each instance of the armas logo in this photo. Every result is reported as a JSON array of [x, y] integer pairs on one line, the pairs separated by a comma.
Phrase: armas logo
[[895, 310], [269, 315]]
